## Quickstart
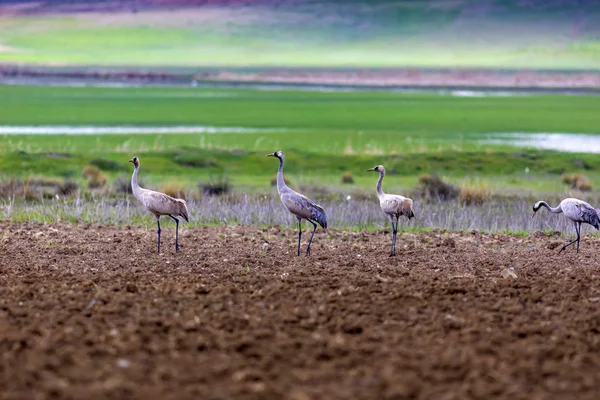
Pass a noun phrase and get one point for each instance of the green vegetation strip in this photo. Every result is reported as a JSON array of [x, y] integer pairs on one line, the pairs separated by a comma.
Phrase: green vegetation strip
[[323, 134]]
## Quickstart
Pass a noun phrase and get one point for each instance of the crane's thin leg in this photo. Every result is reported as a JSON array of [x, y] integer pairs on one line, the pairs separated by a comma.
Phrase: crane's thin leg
[[176, 233], [299, 234], [570, 243], [396, 233], [578, 235], [158, 222], [311, 236], [394, 227]]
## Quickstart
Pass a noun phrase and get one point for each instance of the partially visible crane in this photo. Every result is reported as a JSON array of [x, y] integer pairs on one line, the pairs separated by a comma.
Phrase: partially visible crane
[[393, 205], [159, 203], [299, 205], [577, 211]]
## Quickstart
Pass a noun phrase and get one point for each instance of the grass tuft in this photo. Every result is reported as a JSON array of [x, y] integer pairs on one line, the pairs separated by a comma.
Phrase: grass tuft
[[474, 195]]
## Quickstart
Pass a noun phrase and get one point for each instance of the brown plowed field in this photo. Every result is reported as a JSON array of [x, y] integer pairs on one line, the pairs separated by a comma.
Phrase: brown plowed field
[[93, 312]]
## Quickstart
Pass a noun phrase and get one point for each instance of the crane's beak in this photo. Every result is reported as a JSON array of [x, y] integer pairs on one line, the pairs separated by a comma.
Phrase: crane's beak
[[270, 155], [370, 169], [131, 161], [533, 214]]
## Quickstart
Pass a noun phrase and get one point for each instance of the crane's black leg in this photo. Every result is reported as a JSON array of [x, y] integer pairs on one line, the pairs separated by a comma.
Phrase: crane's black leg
[[394, 230], [570, 243], [311, 236], [396, 233], [176, 233], [299, 234], [578, 235], [158, 222]]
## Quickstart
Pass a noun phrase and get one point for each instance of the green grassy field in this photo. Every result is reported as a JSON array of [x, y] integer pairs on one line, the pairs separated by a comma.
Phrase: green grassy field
[[322, 134], [431, 33]]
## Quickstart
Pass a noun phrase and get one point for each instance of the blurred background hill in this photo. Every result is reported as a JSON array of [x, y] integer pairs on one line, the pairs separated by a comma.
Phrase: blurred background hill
[[553, 34]]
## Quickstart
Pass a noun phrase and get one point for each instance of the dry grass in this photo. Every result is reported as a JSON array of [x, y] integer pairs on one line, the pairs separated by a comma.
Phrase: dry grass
[[123, 185], [474, 195], [96, 178], [577, 182]]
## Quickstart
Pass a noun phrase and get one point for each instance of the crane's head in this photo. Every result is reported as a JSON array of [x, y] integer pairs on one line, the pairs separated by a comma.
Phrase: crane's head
[[135, 161], [278, 154], [536, 207], [378, 168]]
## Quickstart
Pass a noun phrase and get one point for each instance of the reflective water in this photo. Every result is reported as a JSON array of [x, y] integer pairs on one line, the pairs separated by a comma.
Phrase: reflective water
[[570, 142]]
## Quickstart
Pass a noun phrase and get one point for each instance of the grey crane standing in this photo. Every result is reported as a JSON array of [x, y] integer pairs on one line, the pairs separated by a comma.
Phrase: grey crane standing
[[159, 203], [299, 205], [393, 206], [577, 211]]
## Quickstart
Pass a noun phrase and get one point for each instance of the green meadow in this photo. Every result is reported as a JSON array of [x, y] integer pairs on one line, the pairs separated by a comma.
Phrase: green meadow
[[323, 134]]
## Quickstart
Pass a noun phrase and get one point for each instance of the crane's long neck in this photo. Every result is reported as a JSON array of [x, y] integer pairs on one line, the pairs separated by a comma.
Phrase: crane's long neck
[[135, 187], [555, 210], [280, 182], [379, 191]]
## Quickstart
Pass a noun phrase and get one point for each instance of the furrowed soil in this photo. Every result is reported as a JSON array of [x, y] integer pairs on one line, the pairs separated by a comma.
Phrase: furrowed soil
[[92, 311]]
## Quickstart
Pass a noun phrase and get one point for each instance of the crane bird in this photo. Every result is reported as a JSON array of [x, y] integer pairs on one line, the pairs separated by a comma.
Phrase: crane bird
[[393, 205], [159, 203], [577, 211], [299, 205]]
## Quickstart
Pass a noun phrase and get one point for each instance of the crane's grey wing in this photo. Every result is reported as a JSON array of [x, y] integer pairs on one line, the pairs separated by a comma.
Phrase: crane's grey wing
[[303, 207], [588, 214]]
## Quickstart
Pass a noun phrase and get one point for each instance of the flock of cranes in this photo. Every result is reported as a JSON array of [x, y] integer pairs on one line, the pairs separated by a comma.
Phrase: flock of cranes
[[303, 208]]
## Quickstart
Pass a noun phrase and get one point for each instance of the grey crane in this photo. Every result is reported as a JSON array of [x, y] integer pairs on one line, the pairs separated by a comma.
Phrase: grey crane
[[159, 203], [577, 211], [299, 205], [393, 205]]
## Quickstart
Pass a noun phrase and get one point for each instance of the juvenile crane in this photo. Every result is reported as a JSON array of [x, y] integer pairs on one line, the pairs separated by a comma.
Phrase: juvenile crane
[[159, 203], [299, 205], [577, 211], [393, 205]]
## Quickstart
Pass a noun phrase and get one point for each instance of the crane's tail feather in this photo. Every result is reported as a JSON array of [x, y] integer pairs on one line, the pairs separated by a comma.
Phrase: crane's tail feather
[[318, 214], [407, 209], [183, 210]]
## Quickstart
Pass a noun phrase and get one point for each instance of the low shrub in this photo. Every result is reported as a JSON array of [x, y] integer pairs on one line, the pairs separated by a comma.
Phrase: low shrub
[[122, 185], [67, 188], [96, 178], [577, 181], [347, 178], [433, 187], [216, 187]]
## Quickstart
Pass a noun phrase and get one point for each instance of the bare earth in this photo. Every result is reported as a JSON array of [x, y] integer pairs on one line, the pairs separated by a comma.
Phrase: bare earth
[[93, 312]]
